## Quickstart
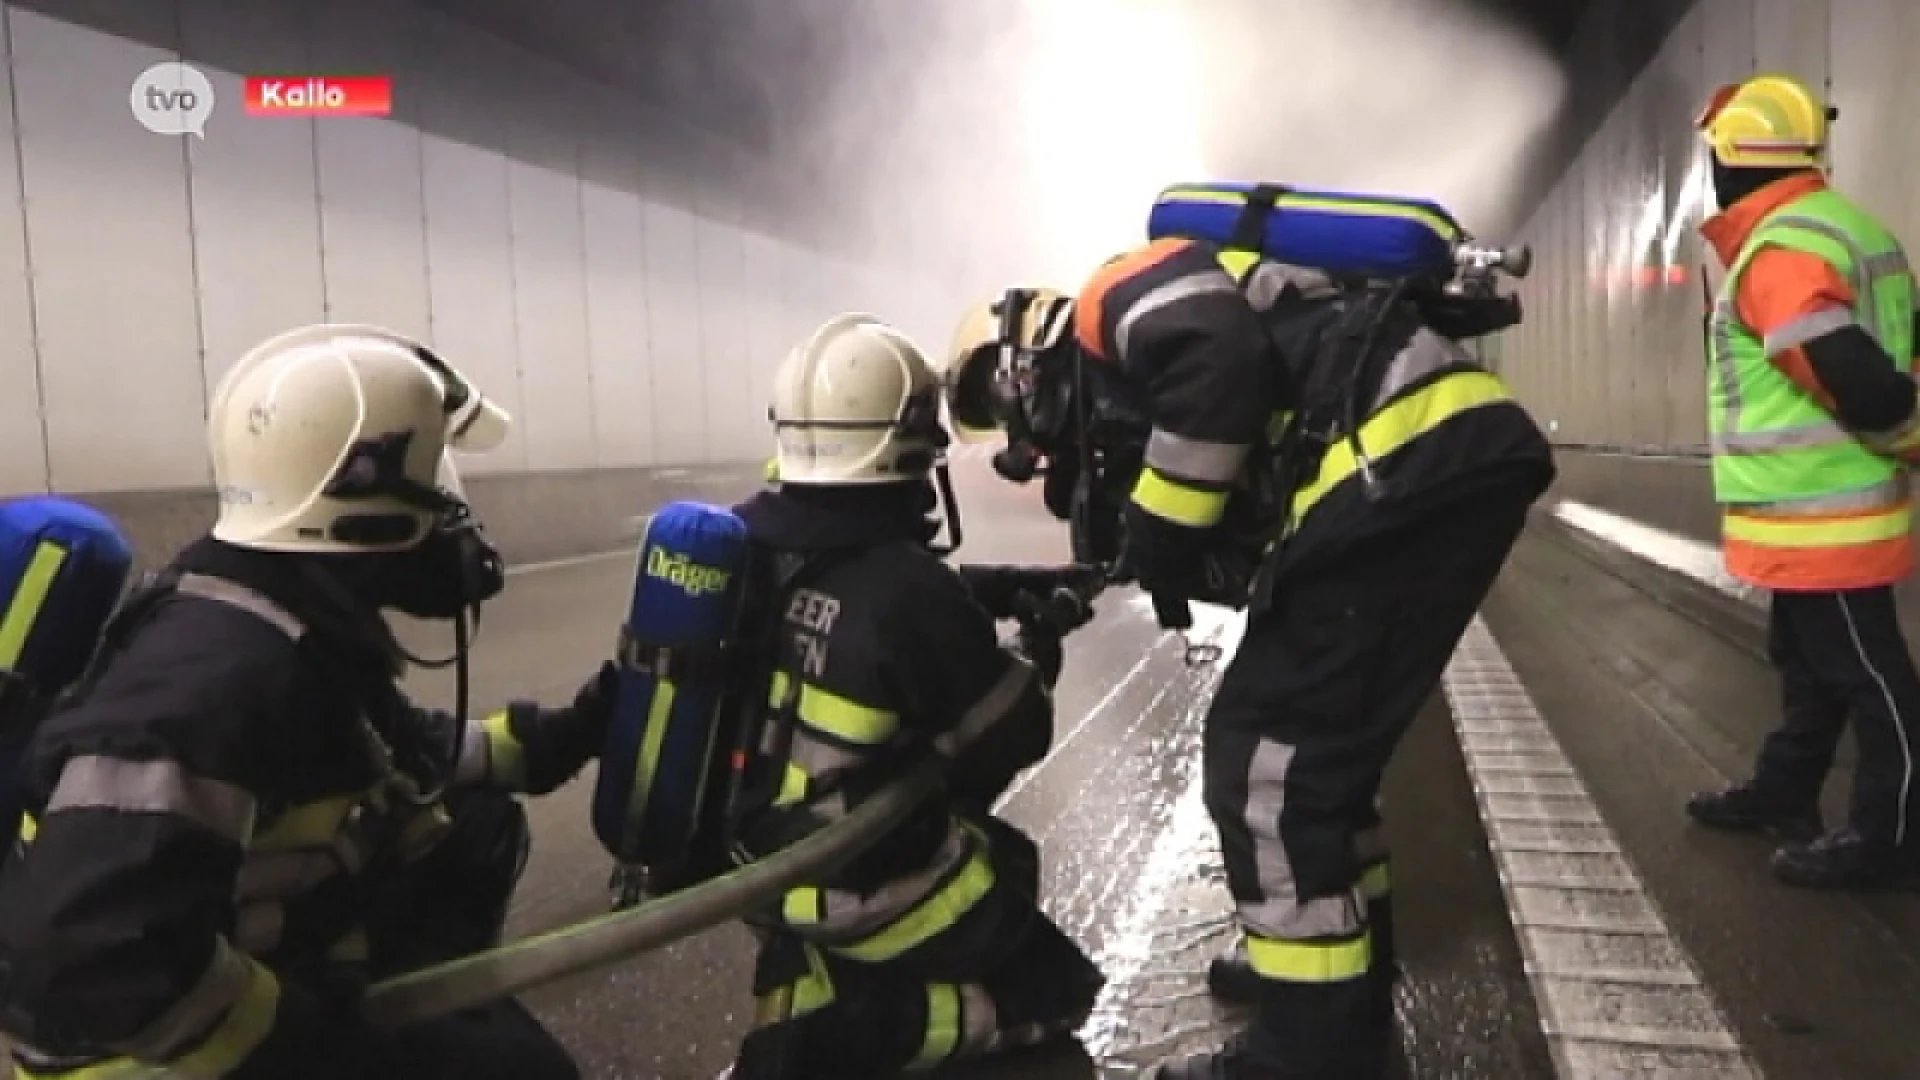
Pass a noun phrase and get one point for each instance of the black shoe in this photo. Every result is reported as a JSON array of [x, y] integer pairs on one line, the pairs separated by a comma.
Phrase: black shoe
[[1843, 859], [1231, 978], [1743, 809]]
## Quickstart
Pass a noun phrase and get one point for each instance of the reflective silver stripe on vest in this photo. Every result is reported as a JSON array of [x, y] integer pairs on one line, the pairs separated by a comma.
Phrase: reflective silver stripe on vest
[[1198, 283], [1806, 328], [847, 916], [1180, 458], [1269, 281], [1890, 492], [94, 782], [1424, 354], [1866, 270], [247, 600]]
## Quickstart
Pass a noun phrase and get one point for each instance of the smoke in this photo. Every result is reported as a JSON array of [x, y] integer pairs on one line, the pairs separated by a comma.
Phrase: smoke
[[995, 142]]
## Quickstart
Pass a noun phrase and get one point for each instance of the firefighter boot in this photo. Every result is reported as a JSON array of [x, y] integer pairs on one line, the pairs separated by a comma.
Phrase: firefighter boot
[[1303, 1031], [1748, 809]]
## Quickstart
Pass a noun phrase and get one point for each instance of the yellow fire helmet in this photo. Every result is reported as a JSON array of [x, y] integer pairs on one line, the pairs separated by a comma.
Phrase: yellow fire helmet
[[968, 376], [1767, 122]]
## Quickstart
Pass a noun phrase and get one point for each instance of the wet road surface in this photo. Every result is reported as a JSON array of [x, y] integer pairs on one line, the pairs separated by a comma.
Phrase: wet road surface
[[1650, 707], [1130, 867]]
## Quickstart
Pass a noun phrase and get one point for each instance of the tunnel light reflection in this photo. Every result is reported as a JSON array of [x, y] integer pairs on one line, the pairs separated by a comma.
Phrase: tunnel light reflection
[[1113, 95]]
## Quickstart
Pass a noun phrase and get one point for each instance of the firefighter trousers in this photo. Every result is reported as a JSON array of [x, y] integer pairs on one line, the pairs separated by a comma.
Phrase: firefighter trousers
[[1307, 716], [1001, 977], [452, 903], [1842, 655]]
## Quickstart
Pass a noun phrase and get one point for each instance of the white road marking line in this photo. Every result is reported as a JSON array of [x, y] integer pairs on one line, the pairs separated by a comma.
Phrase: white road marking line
[[1681, 554], [1617, 993]]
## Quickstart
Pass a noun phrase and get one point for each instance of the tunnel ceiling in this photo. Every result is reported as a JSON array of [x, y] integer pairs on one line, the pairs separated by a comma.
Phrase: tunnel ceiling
[[745, 69]]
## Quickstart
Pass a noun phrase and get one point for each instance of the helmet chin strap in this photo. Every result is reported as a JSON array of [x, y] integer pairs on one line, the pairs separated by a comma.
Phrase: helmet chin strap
[[461, 660], [946, 508]]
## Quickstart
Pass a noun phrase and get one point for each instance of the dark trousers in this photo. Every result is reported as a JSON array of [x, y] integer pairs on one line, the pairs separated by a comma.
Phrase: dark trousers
[[450, 904], [1842, 655], [1307, 716], [1002, 976]]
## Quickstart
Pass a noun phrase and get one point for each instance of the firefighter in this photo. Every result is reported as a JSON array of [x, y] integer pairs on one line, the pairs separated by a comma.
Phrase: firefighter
[[931, 946], [1404, 472], [238, 819], [1813, 423]]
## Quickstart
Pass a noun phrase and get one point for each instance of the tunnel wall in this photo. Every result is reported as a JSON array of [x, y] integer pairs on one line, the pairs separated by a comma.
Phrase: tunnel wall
[[622, 284], [1612, 356]]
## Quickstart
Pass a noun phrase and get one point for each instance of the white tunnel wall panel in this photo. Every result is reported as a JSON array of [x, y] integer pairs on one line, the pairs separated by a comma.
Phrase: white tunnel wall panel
[[471, 283], [549, 273], [373, 223], [256, 208], [722, 262], [617, 326], [1790, 36], [1877, 85], [767, 339], [107, 219], [23, 448], [673, 329]]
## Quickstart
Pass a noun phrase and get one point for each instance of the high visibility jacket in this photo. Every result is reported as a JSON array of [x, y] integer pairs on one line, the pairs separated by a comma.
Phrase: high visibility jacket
[[1807, 504], [1193, 326], [205, 822]]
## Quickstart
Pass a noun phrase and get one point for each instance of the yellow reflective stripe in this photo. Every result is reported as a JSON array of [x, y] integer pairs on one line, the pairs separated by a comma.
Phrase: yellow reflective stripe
[[646, 763], [1310, 961], [1375, 881], [772, 470], [29, 827], [507, 759], [1196, 508], [793, 785], [314, 824], [28, 598], [244, 1028], [933, 915], [844, 718], [943, 1027], [1277, 424], [1237, 262], [1393, 427], [1833, 532], [809, 993], [803, 906]]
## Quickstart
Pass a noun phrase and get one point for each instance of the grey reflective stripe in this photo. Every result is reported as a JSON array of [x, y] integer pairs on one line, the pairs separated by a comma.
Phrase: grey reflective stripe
[[848, 917], [247, 600], [821, 759], [1888, 493], [1270, 280], [1424, 354], [280, 875], [153, 787], [222, 983], [1180, 458], [1279, 914], [475, 763], [1807, 327], [1799, 437], [1198, 283], [992, 707]]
